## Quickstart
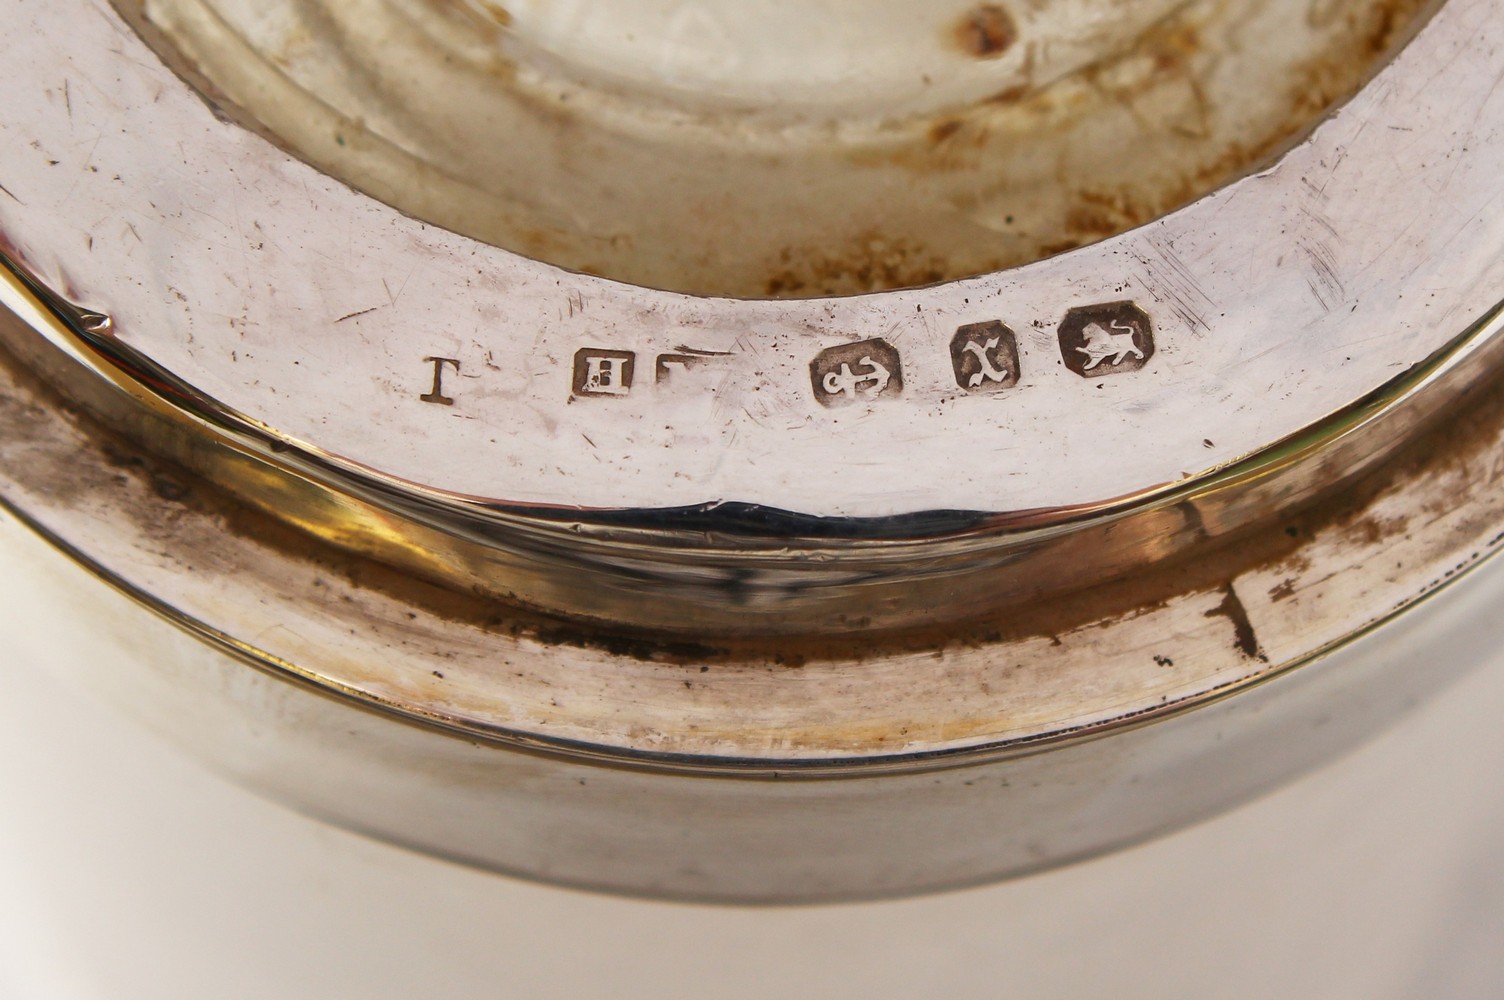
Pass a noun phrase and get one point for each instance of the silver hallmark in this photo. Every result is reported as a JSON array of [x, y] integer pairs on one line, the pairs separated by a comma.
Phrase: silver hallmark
[[436, 394], [683, 360], [852, 372], [985, 356], [600, 372], [1106, 340]]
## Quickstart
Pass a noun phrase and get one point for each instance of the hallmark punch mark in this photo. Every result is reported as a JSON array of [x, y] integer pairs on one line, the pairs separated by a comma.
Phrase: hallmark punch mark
[[602, 372], [436, 394], [1109, 339], [985, 357], [866, 370]]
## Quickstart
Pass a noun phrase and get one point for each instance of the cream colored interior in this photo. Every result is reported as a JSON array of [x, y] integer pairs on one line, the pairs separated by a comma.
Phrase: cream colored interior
[[788, 147]]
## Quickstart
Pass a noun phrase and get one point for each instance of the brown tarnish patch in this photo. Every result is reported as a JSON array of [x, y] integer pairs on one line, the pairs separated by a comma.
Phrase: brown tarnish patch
[[498, 13], [869, 264], [484, 15], [1099, 214], [987, 32], [944, 129], [1011, 95], [1373, 530], [964, 150], [1379, 29], [1244, 638], [1168, 56]]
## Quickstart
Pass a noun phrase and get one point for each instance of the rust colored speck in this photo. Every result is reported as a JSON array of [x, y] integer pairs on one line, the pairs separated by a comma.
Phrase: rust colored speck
[[987, 32], [944, 129]]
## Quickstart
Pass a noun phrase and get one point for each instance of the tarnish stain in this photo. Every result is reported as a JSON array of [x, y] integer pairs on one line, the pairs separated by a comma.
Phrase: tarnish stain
[[1193, 519], [871, 264], [987, 32], [1233, 610], [1374, 530], [1147, 127], [498, 13]]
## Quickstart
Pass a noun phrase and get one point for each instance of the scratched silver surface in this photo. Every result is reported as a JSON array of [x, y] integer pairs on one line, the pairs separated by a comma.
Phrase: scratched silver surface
[[300, 306]]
